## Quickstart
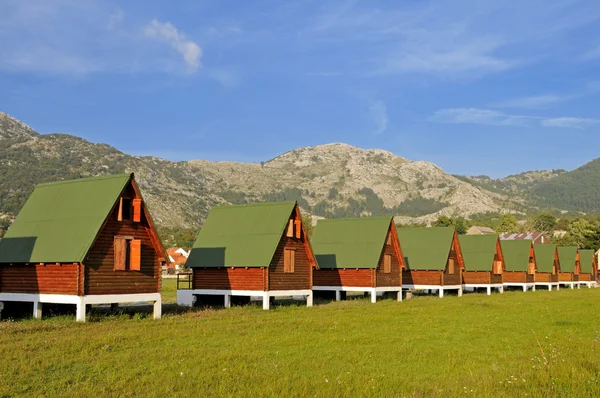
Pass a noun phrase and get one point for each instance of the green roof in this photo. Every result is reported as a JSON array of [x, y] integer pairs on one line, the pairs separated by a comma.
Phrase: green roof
[[516, 254], [544, 257], [241, 235], [426, 248], [350, 243], [568, 258], [478, 251], [586, 259], [60, 220]]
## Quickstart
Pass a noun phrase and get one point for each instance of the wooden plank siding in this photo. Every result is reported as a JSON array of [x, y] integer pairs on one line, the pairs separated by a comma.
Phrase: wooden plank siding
[[392, 249], [362, 277], [301, 278], [238, 278], [422, 277], [477, 277], [100, 275], [40, 278]]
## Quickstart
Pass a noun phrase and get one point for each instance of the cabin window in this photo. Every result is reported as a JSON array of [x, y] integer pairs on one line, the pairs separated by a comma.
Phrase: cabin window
[[497, 267], [387, 263], [125, 209], [137, 210], [128, 254], [289, 260], [389, 239], [290, 229], [451, 266], [554, 270]]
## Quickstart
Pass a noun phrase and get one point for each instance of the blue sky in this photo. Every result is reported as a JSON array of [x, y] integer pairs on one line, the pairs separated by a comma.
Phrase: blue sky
[[477, 87]]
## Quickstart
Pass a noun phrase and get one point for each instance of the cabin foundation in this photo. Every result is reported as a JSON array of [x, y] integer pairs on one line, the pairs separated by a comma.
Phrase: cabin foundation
[[81, 302], [439, 288], [488, 287], [187, 297], [548, 285], [524, 286], [371, 290]]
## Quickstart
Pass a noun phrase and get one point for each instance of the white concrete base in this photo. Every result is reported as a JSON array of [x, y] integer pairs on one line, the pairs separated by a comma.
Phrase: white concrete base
[[568, 284], [589, 284], [372, 290], [439, 288], [487, 286], [82, 301], [186, 297], [525, 286], [548, 285]]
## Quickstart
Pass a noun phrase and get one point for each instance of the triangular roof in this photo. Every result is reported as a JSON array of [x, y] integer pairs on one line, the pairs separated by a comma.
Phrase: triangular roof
[[241, 235], [586, 260], [516, 254], [60, 220], [478, 251], [350, 243], [426, 248], [568, 258], [544, 257]]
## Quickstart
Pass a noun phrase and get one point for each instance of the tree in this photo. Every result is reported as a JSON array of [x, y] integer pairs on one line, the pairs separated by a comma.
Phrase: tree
[[308, 225], [578, 231], [461, 227], [444, 221], [545, 222], [508, 223]]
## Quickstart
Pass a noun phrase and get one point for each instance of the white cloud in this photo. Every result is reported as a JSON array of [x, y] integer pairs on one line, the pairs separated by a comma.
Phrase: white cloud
[[570, 122], [166, 32], [378, 112], [495, 118], [535, 102], [479, 116]]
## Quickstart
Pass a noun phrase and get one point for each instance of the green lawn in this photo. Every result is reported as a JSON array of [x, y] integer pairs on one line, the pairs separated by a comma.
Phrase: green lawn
[[474, 345], [169, 290]]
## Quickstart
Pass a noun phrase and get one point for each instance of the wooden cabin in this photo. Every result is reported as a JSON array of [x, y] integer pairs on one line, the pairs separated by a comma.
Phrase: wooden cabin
[[433, 259], [588, 268], [85, 241], [569, 266], [251, 250], [358, 255], [547, 265], [484, 262], [519, 262]]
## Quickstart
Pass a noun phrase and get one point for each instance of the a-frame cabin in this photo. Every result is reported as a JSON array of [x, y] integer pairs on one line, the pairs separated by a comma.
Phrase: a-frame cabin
[[589, 268], [484, 262], [433, 259], [358, 255], [81, 242], [519, 261], [251, 250], [547, 265], [569, 266]]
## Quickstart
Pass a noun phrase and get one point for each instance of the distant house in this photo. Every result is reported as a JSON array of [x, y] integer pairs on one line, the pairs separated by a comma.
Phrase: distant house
[[547, 266], [589, 268], [519, 260], [177, 257], [569, 266], [80, 242], [535, 237], [433, 259], [358, 255], [477, 230], [484, 262], [251, 250]]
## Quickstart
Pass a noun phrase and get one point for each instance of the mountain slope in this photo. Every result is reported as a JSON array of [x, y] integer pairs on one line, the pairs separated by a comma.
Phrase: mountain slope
[[334, 180]]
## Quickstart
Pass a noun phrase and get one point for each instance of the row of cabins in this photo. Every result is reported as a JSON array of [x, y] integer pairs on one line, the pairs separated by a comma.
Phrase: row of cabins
[[92, 241], [262, 250]]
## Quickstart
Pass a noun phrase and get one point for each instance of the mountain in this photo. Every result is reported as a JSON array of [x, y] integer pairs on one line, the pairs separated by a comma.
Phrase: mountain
[[334, 180]]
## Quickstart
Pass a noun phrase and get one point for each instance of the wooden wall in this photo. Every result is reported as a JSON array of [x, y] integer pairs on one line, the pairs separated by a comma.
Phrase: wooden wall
[[421, 277], [40, 278], [515, 277], [565, 277], [363, 277], [238, 278], [100, 276], [477, 277]]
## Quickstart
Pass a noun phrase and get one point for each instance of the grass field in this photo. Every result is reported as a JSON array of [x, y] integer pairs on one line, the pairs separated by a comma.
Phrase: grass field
[[169, 290], [474, 345]]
